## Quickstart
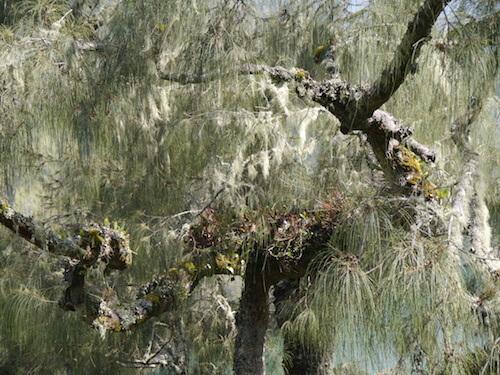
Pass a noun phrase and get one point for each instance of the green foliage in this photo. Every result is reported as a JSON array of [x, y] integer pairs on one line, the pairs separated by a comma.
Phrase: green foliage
[[382, 289], [87, 135]]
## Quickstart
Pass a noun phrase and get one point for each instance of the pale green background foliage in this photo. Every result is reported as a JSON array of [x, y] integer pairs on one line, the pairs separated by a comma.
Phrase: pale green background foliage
[[86, 135]]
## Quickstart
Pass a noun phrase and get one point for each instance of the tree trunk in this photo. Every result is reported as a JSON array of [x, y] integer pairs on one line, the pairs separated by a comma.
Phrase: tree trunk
[[251, 321]]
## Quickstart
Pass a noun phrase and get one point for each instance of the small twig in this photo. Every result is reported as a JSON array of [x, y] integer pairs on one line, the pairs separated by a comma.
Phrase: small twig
[[65, 15], [210, 203], [162, 346]]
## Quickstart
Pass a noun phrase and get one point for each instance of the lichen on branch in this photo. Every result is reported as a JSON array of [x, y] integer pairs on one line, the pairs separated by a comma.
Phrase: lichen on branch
[[92, 244]]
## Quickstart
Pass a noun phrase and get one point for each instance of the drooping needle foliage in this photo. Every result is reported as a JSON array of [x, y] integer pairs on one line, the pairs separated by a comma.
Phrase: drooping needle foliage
[[136, 112]]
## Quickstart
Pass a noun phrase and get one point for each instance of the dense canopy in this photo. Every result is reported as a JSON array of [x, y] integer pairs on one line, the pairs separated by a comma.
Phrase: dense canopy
[[189, 186]]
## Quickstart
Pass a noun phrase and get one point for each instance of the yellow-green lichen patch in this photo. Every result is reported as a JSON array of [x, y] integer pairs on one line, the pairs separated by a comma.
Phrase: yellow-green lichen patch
[[161, 27], [430, 190], [442, 193], [95, 236], [411, 164], [189, 267], [6, 210], [153, 298], [3, 205], [414, 175], [228, 263], [109, 323], [301, 74]]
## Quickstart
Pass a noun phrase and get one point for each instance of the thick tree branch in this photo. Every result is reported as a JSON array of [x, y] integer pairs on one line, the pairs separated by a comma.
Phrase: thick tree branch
[[168, 292], [337, 96], [278, 73], [93, 243], [408, 50], [293, 241], [340, 99], [427, 154], [42, 238], [352, 105], [399, 155]]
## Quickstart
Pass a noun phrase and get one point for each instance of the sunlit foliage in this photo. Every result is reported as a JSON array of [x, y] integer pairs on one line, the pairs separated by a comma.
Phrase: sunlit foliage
[[90, 131]]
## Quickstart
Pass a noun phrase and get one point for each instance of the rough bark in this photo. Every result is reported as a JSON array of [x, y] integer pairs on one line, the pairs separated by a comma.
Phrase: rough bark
[[252, 320], [91, 244], [400, 156], [295, 238], [44, 239], [277, 72]]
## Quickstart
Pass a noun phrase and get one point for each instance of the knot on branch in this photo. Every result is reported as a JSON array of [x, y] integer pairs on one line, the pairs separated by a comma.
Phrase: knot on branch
[[342, 100], [401, 157], [389, 125], [106, 245], [162, 289]]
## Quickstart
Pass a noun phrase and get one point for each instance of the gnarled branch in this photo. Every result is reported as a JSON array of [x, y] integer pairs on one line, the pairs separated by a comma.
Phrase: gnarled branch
[[400, 156], [278, 73], [293, 240], [93, 243], [417, 33]]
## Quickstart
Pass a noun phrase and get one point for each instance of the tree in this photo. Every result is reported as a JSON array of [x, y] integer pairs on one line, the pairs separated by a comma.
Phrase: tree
[[224, 145]]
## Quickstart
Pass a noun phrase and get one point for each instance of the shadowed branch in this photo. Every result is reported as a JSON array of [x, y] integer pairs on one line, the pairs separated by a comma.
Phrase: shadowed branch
[[416, 35]]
